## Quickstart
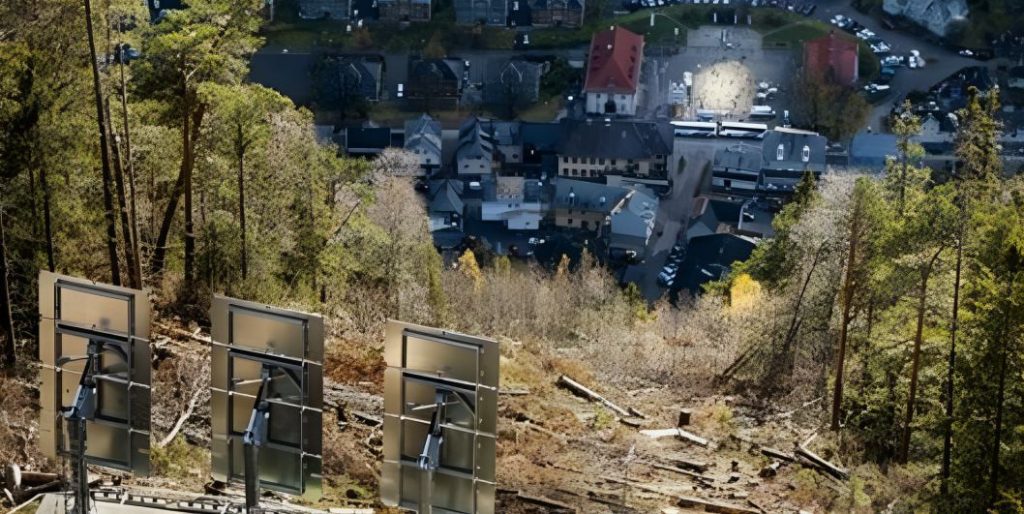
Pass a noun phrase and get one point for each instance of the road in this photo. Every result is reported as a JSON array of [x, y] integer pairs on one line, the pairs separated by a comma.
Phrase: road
[[291, 72], [939, 62], [674, 212]]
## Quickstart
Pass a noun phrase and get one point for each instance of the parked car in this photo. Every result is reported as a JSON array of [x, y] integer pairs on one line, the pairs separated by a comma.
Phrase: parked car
[[893, 60], [966, 53]]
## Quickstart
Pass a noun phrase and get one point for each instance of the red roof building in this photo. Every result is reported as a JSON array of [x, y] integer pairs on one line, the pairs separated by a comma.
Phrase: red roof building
[[833, 56], [614, 62]]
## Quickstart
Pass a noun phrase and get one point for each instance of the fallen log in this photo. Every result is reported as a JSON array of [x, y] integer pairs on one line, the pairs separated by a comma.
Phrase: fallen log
[[777, 454], [822, 464], [545, 502], [677, 432], [184, 417], [688, 501], [514, 392], [630, 422], [636, 413], [658, 433], [581, 389], [195, 336], [367, 418], [693, 438], [713, 506], [700, 479], [695, 465]]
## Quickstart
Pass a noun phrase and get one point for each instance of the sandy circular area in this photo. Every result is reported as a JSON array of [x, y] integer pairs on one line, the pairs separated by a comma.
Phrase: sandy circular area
[[724, 86]]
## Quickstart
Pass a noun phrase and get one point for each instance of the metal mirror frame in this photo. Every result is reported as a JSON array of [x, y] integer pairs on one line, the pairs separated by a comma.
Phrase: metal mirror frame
[[466, 367], [249, 333], [74, 309]]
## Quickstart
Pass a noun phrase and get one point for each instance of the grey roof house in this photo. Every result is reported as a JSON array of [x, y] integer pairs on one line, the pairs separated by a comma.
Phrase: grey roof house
[[423, 138], [632, 223], [711, 257], [594, 148], [474, 154], [486, 12], [362, 75], [319, 9], [445, 212], [786, 154], [736, 170], [366, 141], [516, 81]]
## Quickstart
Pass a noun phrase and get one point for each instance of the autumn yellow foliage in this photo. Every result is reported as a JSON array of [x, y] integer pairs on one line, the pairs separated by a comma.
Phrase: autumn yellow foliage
[[744, 292]]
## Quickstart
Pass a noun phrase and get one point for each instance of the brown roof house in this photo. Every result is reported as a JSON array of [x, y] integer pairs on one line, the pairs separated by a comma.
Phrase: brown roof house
[[613, 72], [833, 57]]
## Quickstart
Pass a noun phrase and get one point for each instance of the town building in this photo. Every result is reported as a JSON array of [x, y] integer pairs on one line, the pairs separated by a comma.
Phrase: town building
[[711, 257], [423, 139], [585, 205], [938, 17], [434, 83], [320, 9], [786, 154], [366, 141], [594, 148], [632, 225], [1015, 77], [515, 201], [871, 151], [359, 75], [475, 153], [556, 13], [446, 210], [612, 84], [832, 57], [514, 83], [736, 170], [404, 10], [483, 12]]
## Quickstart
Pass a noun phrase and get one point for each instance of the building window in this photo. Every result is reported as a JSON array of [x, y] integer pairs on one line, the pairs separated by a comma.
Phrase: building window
[[574, 160], [570, 222], [601, 161]]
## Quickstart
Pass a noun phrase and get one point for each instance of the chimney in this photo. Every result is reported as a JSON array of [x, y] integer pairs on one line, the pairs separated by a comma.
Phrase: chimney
[[780, 152], [806, 154]]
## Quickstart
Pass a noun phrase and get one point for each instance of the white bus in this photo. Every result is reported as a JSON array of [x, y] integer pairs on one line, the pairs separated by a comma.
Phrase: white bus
[[762, 112], [695, 128], [742, 130]]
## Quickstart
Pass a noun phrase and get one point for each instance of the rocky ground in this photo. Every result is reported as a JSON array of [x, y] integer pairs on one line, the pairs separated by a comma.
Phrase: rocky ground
[[561, 449]]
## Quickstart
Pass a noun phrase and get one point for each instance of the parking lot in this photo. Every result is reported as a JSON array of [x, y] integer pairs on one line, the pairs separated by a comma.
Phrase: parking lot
[[707, 52]]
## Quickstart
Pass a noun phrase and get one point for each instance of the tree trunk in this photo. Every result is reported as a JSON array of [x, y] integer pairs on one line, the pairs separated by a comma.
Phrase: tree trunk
[[1000, 399], [190, 236], [108, 201], [848, 290], [947, 443], [916, 360], [241, 207], [136, 271], [6, 321], [130, 258], [191, 121], [47, 221]]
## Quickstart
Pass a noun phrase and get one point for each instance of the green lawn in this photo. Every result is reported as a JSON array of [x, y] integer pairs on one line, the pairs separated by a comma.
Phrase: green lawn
[[545, 110], [794, 34]]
